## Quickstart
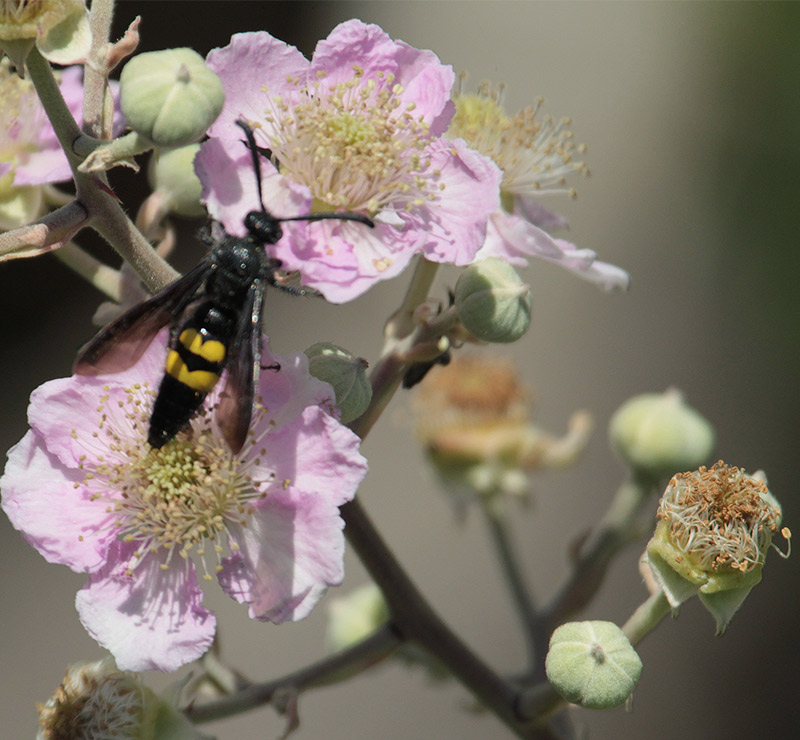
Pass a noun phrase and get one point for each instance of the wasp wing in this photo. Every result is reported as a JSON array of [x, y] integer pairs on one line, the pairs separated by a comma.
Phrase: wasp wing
[[235, 406], [119, 345]]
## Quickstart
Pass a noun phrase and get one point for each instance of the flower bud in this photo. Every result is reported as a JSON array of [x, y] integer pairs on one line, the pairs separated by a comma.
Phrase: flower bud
[[356, 616], [716, 527], [592, 664], [346, 373], [170, 97], [659, 434], [492, 302], [95, 700], [172, 173]]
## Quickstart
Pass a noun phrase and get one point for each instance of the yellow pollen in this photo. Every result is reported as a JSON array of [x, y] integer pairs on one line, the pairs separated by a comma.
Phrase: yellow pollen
[[354, 144], [174, 499], [720, 516], [535, 154]]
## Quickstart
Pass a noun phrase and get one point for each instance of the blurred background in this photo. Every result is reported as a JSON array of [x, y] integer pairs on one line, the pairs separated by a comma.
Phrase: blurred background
[[691, 115]]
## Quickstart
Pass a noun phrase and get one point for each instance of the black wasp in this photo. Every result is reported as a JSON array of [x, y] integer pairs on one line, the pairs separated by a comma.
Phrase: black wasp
[[214, 313]]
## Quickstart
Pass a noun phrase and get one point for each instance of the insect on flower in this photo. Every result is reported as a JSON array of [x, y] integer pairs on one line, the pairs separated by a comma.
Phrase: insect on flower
[[214, 313]]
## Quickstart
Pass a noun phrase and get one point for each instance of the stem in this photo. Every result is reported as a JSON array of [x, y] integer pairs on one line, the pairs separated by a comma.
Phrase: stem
[[509, 563], [53, 103], [97, 116], [416, 620], [612, 534], [359, 657], [646, 617], [106, 279], [401, 324]]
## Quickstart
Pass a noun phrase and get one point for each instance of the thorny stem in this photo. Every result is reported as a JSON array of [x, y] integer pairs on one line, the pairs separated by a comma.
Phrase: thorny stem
[[356, 658]]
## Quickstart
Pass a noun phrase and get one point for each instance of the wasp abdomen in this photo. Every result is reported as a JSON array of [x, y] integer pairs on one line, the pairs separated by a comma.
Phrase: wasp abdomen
[[193, 368]]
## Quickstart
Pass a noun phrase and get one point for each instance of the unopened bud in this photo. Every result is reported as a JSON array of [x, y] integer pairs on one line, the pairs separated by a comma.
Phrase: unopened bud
[[172, 173], [170, 97], [492, 302], [346, 373], [659, 434], [592, 664]]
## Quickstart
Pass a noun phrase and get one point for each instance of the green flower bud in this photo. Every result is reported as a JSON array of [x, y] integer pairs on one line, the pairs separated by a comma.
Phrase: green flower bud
[[346, 373], [356, 616], [592, 664], [172, 173], [170, 97], [659, 434], [716, 527], [492, 302]]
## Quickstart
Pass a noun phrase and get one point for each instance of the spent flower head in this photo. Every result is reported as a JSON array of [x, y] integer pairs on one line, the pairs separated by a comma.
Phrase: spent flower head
[[358, 128], [536, 155], [473, 417], [716, 525], [95, 701], [87, 491]]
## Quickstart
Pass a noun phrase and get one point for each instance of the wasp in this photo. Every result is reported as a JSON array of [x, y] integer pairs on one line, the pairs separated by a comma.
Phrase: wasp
[[214, 314]]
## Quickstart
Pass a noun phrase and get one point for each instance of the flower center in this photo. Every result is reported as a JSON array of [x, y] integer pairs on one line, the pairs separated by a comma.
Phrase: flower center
[[535, 155], [181, 498], [720, 516], [352, 145]]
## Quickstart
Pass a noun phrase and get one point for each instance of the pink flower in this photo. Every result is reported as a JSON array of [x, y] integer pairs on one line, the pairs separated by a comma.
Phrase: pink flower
[[358, 128], [535, 156], [86, 490]]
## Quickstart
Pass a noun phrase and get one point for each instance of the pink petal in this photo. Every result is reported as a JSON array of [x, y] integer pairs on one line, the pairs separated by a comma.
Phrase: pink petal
[[454, 225], [316, 455], [250, 62], [41, 499], [290, 552], [534, 212], [151, 620], [225, 168], [514, 239], [425, 80]]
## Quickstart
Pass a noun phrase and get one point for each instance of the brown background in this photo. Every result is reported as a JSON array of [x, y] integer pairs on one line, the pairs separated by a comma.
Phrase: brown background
[[691, 115]]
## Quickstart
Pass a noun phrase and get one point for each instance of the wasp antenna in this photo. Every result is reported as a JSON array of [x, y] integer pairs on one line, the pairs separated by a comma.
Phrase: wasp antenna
[[251, 145], [338, 216]]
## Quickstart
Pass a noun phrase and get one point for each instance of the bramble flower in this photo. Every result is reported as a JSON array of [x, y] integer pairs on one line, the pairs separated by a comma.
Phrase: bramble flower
[[95, 701], [716, 525], [59, 28], [473, 417], [358, 128], [87, 491], [535, 155]]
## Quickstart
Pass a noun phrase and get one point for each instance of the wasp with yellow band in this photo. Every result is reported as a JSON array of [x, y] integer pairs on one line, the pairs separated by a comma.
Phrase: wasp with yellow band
[[214, 314]]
